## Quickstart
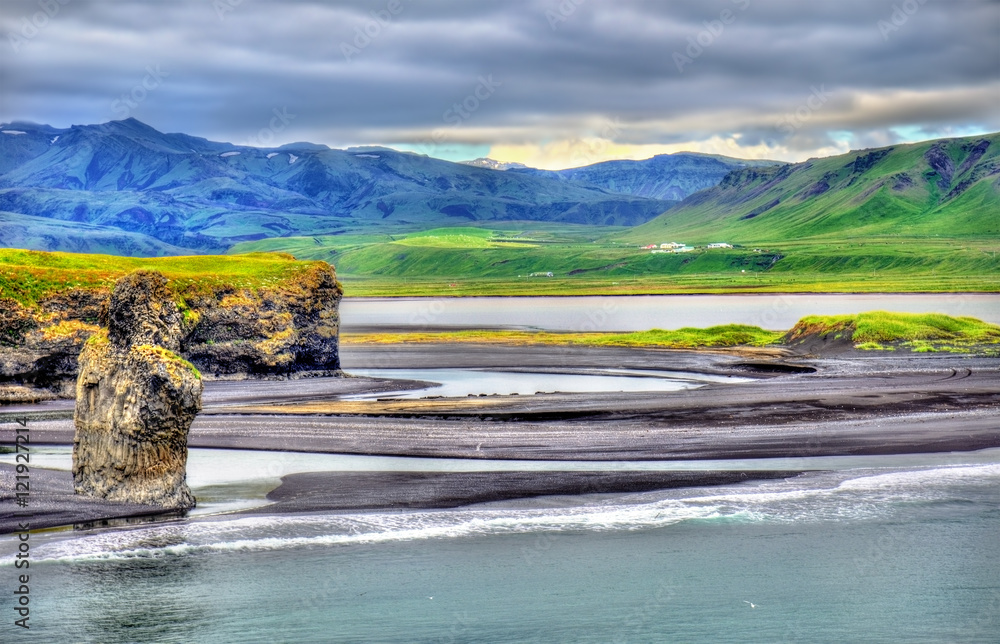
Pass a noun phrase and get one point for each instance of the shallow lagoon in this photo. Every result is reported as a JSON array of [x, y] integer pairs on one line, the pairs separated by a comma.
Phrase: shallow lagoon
[[474, 382], [642, 312]]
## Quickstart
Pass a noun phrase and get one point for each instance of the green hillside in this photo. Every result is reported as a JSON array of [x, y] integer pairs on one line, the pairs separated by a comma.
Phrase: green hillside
[[478, 261], [949, 188], [27, 276], [917, 217]]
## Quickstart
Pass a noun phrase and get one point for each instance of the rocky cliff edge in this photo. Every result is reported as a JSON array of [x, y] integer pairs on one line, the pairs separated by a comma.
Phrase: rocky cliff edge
[[280, 328]]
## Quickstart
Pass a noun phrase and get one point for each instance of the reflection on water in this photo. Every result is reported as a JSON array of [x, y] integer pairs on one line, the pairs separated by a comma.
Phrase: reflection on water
[[143, 602]]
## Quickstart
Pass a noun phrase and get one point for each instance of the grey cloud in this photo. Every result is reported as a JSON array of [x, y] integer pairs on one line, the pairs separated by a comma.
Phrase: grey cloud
[[603, 58]]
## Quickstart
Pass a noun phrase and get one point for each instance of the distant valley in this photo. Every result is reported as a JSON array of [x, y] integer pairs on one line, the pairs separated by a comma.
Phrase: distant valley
[[126, 188], [922, 216]]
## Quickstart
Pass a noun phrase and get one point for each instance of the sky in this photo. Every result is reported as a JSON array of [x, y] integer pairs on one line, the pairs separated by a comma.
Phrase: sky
[[548, 83]]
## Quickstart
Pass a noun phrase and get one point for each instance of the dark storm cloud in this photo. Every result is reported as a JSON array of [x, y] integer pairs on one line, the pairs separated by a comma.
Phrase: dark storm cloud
[[558, 69]]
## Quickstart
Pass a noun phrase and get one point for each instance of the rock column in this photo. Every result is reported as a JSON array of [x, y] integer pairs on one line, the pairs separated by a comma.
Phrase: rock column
[[135, 400]]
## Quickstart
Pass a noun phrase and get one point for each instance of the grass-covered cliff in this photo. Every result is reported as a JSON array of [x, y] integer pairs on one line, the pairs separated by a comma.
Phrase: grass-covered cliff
[[244, 316], [28, 276]]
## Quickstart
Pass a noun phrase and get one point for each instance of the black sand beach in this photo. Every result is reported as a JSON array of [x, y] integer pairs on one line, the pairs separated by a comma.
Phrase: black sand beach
[[342, 491], [853, 403]]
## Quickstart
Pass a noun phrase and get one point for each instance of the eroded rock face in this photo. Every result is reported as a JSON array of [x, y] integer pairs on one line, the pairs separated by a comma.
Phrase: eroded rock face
[[284, 330], [135, 400]]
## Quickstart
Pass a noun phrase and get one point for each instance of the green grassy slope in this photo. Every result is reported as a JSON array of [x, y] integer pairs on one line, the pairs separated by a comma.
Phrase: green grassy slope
[[27, 276], [948, 188], [24, 231], [475, 261], [918, 217], [464, 253]]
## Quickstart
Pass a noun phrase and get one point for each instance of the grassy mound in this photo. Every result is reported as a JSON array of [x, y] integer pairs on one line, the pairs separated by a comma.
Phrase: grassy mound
[[729, 335], [884, 330], [27, 276]]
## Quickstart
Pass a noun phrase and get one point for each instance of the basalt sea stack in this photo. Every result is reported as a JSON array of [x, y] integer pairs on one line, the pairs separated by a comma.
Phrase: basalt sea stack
[[135, 400]]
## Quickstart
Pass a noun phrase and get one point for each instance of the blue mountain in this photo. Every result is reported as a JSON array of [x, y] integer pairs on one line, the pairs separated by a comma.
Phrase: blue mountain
[[671, 177], [178, 193]]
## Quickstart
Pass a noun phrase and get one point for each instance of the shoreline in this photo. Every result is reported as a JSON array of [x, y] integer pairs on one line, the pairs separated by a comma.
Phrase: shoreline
[[342, 492], [369, 491], [850, 404]]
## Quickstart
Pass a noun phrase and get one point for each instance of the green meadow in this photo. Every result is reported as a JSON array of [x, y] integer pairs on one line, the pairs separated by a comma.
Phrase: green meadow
[[911, 217], [27, 276], [516, 260]]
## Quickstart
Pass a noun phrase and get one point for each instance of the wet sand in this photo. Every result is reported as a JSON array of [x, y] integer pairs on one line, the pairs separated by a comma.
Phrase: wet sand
[[51, 503], [352, 491], [854, 403]]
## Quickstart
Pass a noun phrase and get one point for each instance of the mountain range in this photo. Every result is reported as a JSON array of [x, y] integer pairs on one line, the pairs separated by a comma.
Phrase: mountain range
[[947, 188], [123, 187], [664, 176]]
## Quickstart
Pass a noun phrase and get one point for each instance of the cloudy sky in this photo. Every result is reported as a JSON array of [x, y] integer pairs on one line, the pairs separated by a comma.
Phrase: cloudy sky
[[548, 83]]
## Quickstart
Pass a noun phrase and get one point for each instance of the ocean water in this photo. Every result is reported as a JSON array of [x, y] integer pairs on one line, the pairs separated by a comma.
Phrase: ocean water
[[888, 552]]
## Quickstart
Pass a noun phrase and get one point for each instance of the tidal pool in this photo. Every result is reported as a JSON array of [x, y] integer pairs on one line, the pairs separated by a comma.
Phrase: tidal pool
[[474, 382]]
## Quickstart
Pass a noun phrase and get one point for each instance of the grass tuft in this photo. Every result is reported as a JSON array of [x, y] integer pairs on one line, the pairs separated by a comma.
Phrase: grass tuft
[[729, 335], [881, 330], [171, 359]]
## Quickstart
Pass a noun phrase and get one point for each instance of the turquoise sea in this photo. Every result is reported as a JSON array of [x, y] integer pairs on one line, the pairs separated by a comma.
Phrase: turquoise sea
[[888, 549]]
